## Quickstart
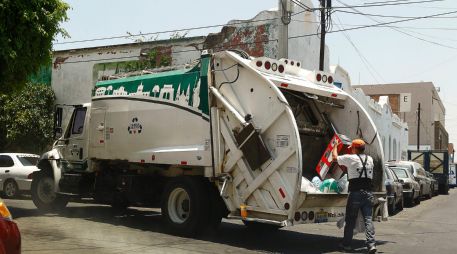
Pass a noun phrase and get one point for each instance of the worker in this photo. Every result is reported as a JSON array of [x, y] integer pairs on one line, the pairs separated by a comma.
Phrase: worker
[[360, 174]]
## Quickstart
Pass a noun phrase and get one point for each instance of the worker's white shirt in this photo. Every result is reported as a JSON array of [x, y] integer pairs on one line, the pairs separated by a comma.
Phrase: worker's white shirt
[[354, 165]]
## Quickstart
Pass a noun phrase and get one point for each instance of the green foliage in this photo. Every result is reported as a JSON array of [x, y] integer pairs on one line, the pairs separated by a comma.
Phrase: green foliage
[[26, 119], [27, 29]]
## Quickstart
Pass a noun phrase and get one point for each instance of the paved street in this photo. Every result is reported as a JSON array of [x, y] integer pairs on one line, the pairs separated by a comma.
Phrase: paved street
[[430, 227]]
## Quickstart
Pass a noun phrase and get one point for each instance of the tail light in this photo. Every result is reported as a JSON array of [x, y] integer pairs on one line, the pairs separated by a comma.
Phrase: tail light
[[318, 77], [281, 68], [30, 176], [4, 212]]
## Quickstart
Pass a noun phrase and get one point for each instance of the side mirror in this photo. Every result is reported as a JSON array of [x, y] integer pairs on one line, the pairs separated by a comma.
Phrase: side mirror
[[401, 181], [58, 132]]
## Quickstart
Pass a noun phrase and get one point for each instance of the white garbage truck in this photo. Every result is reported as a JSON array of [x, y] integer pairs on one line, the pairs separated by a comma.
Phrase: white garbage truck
[[230, 136]]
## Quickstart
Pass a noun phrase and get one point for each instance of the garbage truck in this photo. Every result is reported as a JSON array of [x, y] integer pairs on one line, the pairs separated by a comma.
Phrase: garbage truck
[[230, 136]]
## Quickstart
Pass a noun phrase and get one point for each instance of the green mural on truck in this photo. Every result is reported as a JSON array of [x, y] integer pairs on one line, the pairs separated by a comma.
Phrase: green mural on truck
[[183, 88]]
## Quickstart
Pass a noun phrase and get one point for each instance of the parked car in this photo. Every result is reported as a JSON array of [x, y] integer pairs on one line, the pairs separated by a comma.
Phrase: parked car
[[15, 172], [394, 190], [10, 237], [434, 182], [411, 188], [419, 174]]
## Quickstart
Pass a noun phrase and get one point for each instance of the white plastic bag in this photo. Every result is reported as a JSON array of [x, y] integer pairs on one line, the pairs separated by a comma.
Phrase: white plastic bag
[[359, 223]]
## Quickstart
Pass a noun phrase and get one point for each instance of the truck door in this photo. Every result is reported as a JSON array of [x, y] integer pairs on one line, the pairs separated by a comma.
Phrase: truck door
[[75, 152], [99, 132], [256, 147]]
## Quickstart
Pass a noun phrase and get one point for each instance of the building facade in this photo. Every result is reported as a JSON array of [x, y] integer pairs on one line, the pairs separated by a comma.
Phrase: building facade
[[404, 99]]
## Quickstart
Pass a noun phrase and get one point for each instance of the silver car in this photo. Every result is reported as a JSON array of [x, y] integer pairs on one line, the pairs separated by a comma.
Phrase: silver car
[[419, 174], [15, 172], [411, 188]]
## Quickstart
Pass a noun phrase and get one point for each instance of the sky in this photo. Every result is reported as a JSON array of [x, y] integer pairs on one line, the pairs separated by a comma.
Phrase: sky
[[412, 51]]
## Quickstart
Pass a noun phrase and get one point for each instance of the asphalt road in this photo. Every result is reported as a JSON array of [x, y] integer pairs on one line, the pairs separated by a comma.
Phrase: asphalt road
[[430, 227]]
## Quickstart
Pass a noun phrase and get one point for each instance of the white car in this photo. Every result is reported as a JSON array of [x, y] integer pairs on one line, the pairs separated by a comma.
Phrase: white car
[[15, 172]]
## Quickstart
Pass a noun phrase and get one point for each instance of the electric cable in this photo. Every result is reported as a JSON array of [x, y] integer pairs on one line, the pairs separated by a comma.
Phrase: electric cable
[[405, 33], [383, 5], [163, 32], [362, 57], [388, 16]]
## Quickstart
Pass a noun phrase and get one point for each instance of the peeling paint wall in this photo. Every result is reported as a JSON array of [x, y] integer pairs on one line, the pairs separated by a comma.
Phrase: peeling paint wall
[[76, 71]]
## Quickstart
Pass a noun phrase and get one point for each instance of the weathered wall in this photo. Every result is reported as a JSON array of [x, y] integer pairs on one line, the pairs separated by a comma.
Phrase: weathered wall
[[393, 131]]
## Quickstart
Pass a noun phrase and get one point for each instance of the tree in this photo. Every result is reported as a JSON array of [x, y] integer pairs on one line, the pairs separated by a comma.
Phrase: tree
[[27, 29], [26, 119]]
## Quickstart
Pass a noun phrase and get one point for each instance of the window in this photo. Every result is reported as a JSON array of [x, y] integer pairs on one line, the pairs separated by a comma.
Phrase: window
[[28, 160], [400, 172], [6, 161], [78, 121]]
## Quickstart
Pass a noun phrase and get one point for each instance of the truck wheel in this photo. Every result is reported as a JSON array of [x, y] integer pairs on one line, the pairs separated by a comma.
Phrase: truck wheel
[[185, 206], [43, 194], [10, 189]]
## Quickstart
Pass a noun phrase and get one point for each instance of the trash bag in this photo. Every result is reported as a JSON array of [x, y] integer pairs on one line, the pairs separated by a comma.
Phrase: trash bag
[[359, 223], [308, 187], [329, 185]]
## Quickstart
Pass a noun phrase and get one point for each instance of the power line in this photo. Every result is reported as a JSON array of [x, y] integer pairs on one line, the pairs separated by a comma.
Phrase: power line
[[302, 5], [388, 16], [381, 24], [162, 32], [362, 57], [391, 1], [174, 52], [384, 4], [405, 33]]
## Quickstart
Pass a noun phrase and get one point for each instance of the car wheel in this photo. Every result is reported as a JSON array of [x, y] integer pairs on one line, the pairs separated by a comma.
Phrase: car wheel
[[43, 195], [10, 189]]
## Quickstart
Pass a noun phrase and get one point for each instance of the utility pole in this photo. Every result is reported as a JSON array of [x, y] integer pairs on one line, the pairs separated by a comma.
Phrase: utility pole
[[324, 6], [285, 9], [418, 125]]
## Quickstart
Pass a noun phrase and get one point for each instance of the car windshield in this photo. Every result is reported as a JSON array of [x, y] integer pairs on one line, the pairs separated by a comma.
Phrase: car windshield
[[28, 160], [400, 172]]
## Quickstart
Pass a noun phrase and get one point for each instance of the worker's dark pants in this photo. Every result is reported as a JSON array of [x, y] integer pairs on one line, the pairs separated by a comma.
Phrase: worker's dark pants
[[363, 201]]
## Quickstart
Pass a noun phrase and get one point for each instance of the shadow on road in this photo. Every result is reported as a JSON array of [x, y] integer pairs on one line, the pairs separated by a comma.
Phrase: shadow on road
[[280, 241]]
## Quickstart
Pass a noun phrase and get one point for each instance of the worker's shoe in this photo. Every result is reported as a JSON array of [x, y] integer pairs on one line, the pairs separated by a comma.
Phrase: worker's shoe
[[345, 247], [372, 250]]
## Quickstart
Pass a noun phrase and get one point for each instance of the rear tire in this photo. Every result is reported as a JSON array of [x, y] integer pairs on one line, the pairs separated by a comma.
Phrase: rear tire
[[10, 189], [43, 195], [185, 206]]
